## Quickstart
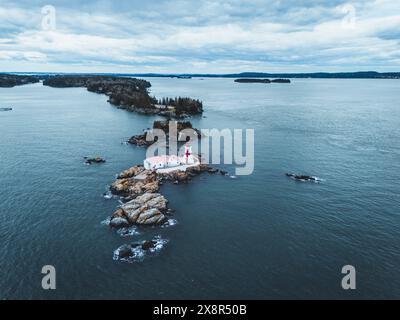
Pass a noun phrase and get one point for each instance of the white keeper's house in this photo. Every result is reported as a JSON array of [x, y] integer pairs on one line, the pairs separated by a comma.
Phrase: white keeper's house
[[173, 161]]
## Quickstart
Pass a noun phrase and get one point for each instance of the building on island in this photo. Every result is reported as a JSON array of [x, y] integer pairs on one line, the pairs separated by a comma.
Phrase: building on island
[[172, 161]]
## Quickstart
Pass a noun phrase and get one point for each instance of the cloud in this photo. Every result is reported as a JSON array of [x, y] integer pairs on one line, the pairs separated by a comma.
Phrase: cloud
[[201, 36]]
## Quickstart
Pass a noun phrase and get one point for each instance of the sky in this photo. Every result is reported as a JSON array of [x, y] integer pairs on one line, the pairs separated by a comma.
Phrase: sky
[[202, 36]]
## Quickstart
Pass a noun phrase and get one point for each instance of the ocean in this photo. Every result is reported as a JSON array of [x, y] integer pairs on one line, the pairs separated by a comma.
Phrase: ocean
[[261, 236]]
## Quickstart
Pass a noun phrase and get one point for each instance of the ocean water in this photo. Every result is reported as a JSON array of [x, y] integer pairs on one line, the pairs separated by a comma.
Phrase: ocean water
[[262, 236]]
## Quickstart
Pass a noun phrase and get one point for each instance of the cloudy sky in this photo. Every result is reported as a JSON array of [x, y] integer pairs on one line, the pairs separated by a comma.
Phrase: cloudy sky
[[202, 36]]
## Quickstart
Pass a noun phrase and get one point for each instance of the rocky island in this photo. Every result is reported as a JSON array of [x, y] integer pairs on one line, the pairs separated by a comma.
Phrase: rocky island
[[130, 94]]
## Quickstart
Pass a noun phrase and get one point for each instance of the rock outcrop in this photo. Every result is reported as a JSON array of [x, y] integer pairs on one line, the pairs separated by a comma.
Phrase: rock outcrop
[[134, 182], [147, 209]]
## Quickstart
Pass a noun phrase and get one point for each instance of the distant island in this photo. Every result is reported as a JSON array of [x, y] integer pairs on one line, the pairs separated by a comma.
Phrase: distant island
[[255, 80], [314, 75]]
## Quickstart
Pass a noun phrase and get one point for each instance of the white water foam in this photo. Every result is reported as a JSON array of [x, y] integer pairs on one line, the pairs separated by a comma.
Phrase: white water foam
[[128, 232], [138, 254], [171, 222], [106, 222]]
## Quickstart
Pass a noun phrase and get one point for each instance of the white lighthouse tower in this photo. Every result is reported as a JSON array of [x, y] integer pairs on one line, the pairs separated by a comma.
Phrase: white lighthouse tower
[[188, 156]]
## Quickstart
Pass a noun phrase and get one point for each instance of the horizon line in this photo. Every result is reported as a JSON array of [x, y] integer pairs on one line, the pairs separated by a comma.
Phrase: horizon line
[[248, 74]]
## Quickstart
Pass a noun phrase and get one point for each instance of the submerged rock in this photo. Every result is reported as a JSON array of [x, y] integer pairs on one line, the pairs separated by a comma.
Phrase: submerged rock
[[137, 251], [303, 177], [147, 245], [125, 251], [94, 160]]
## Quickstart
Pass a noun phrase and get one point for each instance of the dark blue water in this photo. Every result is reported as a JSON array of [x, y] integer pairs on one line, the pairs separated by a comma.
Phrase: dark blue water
[[258, 236]]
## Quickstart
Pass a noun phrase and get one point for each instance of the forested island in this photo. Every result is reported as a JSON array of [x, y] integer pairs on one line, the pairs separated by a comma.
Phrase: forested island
[[141, 139]]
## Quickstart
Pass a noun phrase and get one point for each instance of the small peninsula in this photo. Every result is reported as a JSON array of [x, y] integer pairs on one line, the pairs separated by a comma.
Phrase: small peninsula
[[130, 94], [11, 80]]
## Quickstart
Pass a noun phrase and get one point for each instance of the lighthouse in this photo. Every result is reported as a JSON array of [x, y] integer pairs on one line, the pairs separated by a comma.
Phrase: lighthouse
[[188, 154], [165, 163]]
